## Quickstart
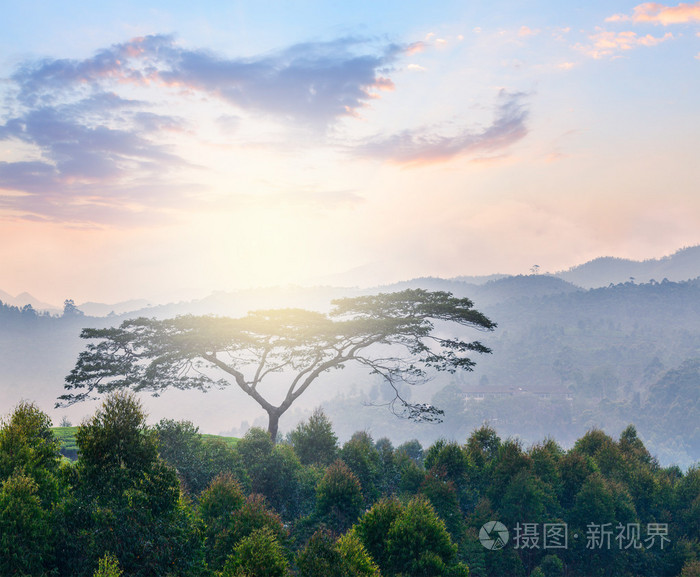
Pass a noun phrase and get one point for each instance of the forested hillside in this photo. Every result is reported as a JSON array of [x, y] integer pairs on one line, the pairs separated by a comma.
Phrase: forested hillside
[[164, 500]]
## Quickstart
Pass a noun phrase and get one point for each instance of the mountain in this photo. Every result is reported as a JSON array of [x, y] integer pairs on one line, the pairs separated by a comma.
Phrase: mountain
[[93, 309], [24, 299], [684, 264]]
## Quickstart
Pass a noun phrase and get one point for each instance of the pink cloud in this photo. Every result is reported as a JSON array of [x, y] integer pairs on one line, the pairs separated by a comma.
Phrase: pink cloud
[[607, 43], [415, 48], [422, 146], [527, 31], [654, 13]]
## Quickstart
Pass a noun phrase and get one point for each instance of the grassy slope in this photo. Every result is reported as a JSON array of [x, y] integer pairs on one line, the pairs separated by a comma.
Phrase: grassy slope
[[66, 435]]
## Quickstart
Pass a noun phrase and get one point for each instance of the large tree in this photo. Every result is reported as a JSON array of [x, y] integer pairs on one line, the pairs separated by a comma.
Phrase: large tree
[[401, 336]]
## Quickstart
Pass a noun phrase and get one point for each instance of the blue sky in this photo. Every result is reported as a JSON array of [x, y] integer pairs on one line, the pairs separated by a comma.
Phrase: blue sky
[[152, 149]]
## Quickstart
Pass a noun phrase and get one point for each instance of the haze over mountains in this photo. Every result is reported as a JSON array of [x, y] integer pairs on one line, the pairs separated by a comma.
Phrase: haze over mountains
[[684, 264], [566, 357]]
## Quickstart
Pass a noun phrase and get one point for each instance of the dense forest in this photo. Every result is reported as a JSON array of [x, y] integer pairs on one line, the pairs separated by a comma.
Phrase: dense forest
[[160, 500]]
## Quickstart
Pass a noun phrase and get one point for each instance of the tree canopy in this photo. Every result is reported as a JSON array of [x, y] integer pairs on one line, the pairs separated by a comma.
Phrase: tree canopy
[[394, 335], [120, 509]]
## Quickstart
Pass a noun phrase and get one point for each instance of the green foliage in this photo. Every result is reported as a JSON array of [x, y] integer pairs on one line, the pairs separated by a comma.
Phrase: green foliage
[[220, 499], [314, 441], [688, 500], [510, 461], [412, 477], [338, 497], [25, 528], [216, 504], [364, 460], [257, 555], [418, 542], [180, 445], [574, 468], [108, 567], [126, 500], [472, 553], [528, 498], [595, 500], [507, 563], [356, 562], [552, 566], [373, 528], [254, 447], [28, 445], [254, 515], [449, 462], [482, 448], [116, 445], [229, 517], [63, 519], [274, 471], [220, 456], [319, 557], [448, 459], [411, 450], [323, 555], [410, 540], [389, 472], [545, 458], [442, 494], [66, 438], [691, 569], [197, 458]]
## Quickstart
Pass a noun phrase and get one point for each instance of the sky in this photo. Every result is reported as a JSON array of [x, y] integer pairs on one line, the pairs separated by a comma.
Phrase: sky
[[167, 149]]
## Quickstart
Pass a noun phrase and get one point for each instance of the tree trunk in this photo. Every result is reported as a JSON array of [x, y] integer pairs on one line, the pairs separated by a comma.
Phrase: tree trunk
[[273, 423]]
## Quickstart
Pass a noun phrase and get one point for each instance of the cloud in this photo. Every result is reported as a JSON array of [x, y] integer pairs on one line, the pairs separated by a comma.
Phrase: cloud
[[314, 83], [84, 157], [416, 47], [98, 149], [607, 43], [527, 31], [311, 82], [424, 146], [654, 13]]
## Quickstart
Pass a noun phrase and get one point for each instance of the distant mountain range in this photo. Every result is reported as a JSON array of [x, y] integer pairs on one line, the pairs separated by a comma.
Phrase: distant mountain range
[[24, 299], [682, 265]]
